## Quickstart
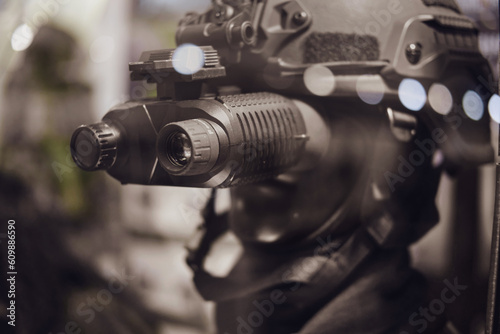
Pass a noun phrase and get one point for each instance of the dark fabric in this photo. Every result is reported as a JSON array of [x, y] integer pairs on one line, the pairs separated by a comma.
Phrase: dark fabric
[[252, 275], [378, 298]]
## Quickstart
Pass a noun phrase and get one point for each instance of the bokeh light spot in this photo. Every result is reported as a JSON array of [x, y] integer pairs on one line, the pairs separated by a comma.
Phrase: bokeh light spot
[[440, 99], [370, 89], [494, 108], [412, 94], [188, 59], [22, 38], [319, 80], [473, 105]]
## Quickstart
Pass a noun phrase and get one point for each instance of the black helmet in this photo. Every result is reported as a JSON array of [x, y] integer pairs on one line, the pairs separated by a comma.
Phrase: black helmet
[[418, 57]]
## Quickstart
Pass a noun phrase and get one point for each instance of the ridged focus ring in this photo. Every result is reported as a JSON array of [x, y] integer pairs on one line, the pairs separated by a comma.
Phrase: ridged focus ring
[[94, 146]]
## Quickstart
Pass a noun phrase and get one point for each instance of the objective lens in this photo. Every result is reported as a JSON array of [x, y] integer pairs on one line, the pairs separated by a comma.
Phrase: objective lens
[[190, 147], [179, 149]]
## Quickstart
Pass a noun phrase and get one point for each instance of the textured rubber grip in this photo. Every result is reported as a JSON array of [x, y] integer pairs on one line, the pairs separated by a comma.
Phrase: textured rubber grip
[[273, 134]]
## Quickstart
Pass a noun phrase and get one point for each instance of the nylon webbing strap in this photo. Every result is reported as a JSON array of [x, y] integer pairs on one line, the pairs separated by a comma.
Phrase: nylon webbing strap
[[334, 270]]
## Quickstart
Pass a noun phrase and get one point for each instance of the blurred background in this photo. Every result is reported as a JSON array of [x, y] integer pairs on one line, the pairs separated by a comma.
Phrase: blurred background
[[105, 258]]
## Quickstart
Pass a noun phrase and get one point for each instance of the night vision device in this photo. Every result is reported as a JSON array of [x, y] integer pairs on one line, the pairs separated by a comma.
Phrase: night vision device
[[236, 101]]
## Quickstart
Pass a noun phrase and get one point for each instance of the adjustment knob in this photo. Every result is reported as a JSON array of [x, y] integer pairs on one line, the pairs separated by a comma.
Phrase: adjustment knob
[[94, 146]]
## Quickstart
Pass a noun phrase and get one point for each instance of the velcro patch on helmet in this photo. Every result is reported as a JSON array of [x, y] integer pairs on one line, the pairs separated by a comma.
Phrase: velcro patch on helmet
[[450, 4], [331, 47]]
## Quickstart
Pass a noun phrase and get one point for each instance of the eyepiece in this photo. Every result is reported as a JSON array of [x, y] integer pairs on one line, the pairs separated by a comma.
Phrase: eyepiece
[[94, 146], [190, 147]]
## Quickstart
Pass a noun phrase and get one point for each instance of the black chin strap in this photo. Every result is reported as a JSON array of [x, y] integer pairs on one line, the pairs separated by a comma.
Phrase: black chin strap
[[207, 233]]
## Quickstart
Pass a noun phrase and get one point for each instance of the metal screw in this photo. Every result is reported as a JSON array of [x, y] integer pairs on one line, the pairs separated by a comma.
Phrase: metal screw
[[414, 53], [299, 18]]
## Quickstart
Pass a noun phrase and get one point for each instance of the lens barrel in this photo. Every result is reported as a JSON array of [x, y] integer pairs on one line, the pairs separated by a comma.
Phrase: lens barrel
[[190, 147], [265, 134]]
